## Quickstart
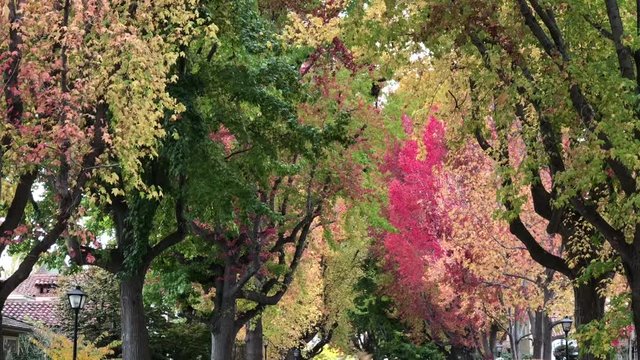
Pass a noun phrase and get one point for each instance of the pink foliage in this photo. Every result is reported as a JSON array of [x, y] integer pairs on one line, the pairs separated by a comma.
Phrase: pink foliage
[[430, 285], [224, 137], [407, 124], [413, 206]]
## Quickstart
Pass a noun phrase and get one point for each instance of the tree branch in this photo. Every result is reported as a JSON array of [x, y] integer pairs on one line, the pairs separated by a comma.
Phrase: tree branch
[[173, 238], [536, 29], [549, 21], [625, 59], [604, 32], [615, 237]]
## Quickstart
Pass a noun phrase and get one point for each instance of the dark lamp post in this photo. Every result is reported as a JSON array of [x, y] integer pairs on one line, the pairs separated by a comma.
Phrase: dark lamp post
[[566, 326], [77, 299]]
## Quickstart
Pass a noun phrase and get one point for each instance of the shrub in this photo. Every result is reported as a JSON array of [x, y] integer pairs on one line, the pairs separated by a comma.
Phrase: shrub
[[58, 347]]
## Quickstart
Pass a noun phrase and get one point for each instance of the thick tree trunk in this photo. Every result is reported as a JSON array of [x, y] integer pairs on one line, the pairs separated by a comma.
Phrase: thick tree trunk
[[546, 338], [589, 306], [493, 337], [254, 340], [537, 330], [135, 337], [223, 332]]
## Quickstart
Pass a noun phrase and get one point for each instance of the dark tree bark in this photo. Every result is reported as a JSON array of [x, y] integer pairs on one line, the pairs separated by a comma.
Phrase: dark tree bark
[[589, 306], [537, 332], [243, 260], [589, 303], [223, 333], [547, 338], [134, 325], [254, 340]]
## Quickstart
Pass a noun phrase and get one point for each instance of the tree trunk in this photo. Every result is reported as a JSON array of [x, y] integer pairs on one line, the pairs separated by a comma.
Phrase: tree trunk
[[223, 333], [135, 337], [547, 338], [513, 336], [589, 306], [254, 340], [538, 333], [493, 335]]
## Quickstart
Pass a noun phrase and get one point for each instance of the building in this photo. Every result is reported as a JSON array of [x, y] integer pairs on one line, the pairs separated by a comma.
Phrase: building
[[35, 300], [11, 330]]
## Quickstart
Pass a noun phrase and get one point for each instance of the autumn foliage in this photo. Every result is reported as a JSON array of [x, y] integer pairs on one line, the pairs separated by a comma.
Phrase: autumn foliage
[[451, 259]]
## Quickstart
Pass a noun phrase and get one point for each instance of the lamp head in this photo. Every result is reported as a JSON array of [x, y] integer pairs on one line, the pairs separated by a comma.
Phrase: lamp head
[[77, 298], [566, 324]]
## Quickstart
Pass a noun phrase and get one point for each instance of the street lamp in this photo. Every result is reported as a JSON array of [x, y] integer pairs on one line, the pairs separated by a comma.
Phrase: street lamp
[[77, 299], [566, 326], [499, 350]]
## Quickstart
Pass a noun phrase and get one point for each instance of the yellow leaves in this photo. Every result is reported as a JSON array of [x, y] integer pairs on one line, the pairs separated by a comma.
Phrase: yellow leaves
[[203, 301], [311, 30], [113, 58], [138, 60], [58, 347], [375, 10], [111, 178], [117, 191]]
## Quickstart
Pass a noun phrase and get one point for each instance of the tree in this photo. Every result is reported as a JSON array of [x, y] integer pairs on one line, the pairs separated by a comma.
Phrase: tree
[[101, 321], [379, 331], [171, 335], [314, 311], [451, 261], [79, 89], [130, 35], [573, 131], [484, 246], [275, 157], [257, 260], [528, 90]]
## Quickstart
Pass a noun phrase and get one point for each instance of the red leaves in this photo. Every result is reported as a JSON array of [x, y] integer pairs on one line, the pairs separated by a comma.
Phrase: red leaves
[[413, 205], [16, 236], [441, 236], [224, 137], [336, 52]]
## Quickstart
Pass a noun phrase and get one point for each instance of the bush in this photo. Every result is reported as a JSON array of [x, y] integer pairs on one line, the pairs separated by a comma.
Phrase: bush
[[28, 350], [58, 347]]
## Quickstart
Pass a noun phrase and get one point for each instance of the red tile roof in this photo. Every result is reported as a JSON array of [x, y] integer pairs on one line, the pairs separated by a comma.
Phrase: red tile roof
[[32, 285], [35, 299], [30, 311]]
